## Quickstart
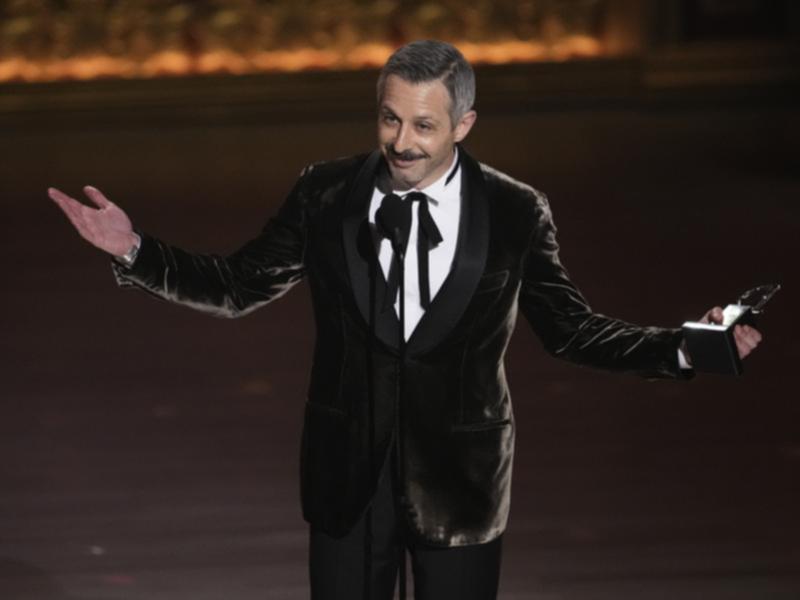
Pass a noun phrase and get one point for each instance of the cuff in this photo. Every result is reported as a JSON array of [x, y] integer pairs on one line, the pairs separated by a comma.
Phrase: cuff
[[129, 257]]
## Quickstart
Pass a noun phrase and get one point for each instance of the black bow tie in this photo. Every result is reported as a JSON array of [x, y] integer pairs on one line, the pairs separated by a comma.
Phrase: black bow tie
[[428, 236]]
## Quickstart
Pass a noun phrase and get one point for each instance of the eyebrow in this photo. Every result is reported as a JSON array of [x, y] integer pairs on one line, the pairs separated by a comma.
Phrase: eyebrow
[[385, 110]]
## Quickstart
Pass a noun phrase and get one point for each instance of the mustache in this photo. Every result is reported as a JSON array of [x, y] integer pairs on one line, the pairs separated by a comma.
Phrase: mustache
[[405, 155]]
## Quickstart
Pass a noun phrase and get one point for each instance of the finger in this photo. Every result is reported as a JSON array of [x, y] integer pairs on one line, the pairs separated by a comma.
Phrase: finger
[[750, 336], [744, 351], [97, 196], [744, 342], [60, 198], [713, 316], [742, 347], [70, 206], [78, 213], [752, 333]]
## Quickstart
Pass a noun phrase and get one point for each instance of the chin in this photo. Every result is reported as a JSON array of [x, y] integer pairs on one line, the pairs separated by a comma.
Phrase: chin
[[408, 180]]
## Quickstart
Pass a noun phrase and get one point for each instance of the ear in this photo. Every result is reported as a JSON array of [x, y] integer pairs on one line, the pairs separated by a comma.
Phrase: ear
[[464, 125]]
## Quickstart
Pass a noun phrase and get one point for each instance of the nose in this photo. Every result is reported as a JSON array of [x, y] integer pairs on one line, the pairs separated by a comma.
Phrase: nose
[[402, 141]]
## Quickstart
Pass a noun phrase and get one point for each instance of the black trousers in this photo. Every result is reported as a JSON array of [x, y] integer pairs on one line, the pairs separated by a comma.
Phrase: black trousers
[[336, 565]]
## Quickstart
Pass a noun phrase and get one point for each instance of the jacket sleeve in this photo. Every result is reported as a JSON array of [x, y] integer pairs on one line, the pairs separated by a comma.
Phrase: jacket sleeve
[[260, 271], [569, 329]]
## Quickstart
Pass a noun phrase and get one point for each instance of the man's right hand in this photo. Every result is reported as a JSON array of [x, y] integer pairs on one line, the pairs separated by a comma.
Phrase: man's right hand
[[107, 227]]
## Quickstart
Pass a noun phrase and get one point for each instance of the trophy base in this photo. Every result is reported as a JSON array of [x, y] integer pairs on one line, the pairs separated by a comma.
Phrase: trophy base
[[712, 347]]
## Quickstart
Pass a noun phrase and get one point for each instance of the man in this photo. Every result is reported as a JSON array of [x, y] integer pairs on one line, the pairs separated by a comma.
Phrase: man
[[408, 434]]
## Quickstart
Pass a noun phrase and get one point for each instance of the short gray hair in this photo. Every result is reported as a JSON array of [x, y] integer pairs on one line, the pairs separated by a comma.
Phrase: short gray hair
[[430, 60]]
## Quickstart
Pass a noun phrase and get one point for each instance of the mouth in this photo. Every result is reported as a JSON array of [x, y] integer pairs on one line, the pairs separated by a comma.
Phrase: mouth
[[402, 160], [401, 163]]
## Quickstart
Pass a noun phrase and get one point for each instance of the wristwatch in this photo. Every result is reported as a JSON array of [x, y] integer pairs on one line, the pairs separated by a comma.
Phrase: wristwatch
[[129, 257]]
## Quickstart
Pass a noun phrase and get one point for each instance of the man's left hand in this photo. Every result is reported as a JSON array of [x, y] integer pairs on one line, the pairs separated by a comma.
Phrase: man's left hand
[[747, 338]]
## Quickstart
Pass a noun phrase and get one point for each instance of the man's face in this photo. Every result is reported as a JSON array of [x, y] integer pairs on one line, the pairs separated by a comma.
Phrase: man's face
[[415, 133]]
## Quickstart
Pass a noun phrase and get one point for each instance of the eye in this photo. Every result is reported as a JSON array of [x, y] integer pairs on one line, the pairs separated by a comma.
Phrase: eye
[[390, 119], [424, 126]]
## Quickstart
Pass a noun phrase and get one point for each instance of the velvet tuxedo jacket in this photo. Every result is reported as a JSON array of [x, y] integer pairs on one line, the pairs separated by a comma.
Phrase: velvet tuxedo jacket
[[457, 430]]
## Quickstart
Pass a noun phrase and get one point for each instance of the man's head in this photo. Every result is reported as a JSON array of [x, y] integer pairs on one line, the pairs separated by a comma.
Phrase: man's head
[[425, 95]]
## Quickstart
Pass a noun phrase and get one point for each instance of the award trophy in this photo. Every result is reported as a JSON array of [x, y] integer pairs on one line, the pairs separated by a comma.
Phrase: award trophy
[[711, 346]]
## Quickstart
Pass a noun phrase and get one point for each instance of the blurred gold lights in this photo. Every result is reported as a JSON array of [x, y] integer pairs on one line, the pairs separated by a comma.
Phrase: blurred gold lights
[[51, 40]]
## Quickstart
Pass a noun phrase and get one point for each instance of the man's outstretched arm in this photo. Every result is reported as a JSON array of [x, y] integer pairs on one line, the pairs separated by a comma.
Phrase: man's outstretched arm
[[262, 270], [569, 329]]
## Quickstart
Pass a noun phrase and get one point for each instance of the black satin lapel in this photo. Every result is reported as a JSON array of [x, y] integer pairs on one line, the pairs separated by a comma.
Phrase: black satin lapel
[[366, 276], [469, 262]]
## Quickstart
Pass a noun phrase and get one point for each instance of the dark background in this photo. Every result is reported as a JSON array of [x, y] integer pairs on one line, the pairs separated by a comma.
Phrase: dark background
[[150, 452]]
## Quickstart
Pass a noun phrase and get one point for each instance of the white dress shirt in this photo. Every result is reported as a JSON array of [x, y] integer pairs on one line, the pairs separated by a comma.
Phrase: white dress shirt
[[444, 206]]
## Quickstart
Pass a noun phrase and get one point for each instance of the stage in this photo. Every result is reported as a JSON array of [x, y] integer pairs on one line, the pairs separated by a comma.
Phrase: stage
[[149, 452]]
